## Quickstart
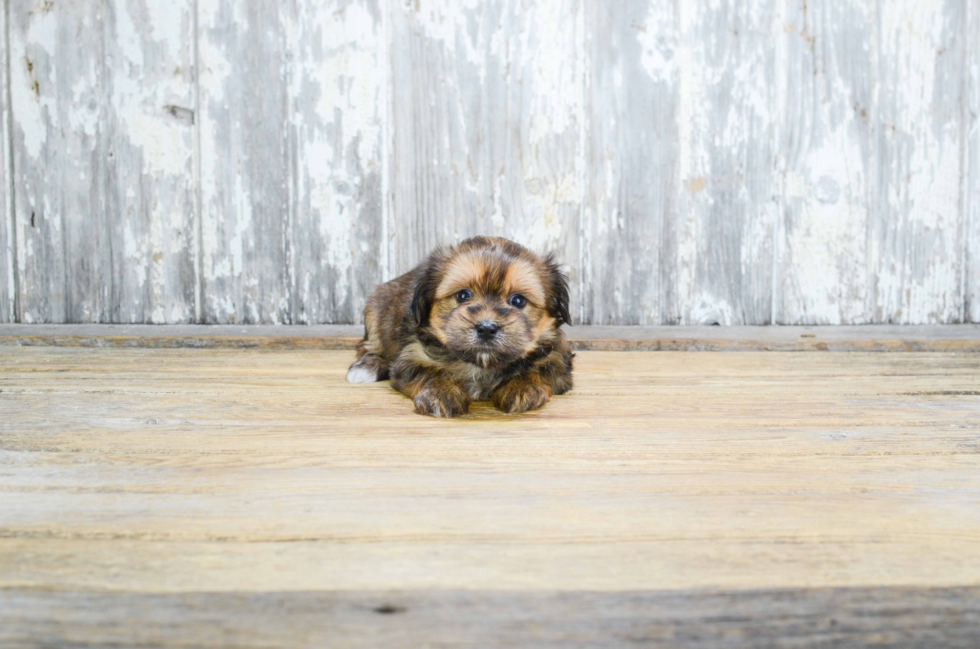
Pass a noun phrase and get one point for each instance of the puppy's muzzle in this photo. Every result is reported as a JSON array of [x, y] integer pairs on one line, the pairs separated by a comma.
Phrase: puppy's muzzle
[[486, 330]]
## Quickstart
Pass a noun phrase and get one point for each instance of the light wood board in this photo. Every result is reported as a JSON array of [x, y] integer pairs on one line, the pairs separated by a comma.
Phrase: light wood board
[[128, 474]]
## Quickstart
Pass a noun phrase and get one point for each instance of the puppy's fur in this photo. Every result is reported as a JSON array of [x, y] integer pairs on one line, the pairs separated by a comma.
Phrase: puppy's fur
[[477, 321]]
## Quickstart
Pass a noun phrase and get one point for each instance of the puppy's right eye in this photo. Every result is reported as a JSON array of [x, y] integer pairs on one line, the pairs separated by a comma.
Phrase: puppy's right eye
[[463, 295]]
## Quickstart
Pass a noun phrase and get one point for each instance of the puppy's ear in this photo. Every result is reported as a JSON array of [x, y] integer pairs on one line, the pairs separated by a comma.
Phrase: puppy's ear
[[425, 288], [558, 305], [422, 300]]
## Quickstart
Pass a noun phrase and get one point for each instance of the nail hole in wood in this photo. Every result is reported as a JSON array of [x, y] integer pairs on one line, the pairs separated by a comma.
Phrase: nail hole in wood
[[185, 115]]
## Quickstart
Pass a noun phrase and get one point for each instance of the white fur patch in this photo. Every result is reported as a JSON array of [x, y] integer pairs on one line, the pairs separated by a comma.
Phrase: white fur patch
[[360, 374]]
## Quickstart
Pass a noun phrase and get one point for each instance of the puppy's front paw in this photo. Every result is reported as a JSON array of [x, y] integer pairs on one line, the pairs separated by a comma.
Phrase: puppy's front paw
[[442, 399], [521, 395], [367, 369]]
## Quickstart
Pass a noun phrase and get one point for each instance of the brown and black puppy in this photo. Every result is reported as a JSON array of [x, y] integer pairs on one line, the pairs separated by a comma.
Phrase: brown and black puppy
[[480, 320]]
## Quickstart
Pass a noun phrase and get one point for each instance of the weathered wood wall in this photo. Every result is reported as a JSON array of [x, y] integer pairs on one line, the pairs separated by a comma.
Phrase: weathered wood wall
[[733, 161]]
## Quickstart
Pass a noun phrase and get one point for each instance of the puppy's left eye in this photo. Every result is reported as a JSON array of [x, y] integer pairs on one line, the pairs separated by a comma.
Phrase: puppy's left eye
[[517, 301]]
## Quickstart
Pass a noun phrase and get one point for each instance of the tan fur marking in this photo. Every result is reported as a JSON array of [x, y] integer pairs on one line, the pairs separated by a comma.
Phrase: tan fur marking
[[543, 331], [373, 343], [524, 278], [463, 272], [437, 322], [415, 353]]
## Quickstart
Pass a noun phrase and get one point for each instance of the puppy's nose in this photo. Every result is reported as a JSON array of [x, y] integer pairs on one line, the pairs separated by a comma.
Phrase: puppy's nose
[[486, 330]]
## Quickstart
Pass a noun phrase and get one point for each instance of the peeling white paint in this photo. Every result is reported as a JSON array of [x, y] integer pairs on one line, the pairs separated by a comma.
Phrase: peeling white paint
[[917, 263], [657, 36], [823, 271], [446, 21], [127, 36], [557, 99], [693, 162], [30, 54]]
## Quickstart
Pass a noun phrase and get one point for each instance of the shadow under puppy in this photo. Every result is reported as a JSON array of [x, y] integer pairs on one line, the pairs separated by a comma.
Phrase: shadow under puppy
[[477, 321]]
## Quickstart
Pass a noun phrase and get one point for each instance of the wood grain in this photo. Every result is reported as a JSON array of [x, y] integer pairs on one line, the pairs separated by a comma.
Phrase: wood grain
[[336, 72], [703, 471], [150, 184], [867, 338], [672, 498], [860, 617], [719, 241], [828, 161], [631, 160], [292, 93], [487, 118], [971, 178], [689, 163], [916, 245], [244, 167], [8, 246], [102, 143], [58, 104]]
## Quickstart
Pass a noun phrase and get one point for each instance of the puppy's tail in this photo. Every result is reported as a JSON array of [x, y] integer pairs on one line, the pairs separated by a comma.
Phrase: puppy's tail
[[368, 369]]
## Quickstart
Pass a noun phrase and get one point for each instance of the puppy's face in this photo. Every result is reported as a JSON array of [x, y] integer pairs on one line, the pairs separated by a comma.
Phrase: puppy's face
[[492, 302]]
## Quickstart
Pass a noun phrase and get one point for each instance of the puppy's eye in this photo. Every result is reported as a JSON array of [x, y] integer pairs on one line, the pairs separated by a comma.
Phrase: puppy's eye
[[463, 295], [517, 301]]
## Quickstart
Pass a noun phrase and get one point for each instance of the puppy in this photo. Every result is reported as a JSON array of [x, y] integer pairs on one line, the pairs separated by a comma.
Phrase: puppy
[[477, 321]]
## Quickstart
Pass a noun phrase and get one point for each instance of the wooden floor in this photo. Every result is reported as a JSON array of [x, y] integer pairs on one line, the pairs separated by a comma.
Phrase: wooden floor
[[235, 497]]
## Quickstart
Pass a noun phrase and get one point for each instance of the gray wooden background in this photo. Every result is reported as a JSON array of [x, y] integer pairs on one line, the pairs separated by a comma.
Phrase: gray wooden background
[[690, 161]]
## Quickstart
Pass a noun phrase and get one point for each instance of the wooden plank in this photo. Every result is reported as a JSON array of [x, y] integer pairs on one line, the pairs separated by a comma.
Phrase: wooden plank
[[259, 471], [876, 338], [336, 72], [859, 617], [971, 175], [245, 182], [57, 90], [645, 145], [291, 159], [632, 95], [718, 243], [916, 249], [254, 498], [149, 145], [487, 101], [827, 156], [8, 242], [102, 141]]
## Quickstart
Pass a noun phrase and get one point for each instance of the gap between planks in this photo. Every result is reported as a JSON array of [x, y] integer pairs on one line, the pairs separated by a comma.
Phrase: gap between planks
[[863, 338]]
